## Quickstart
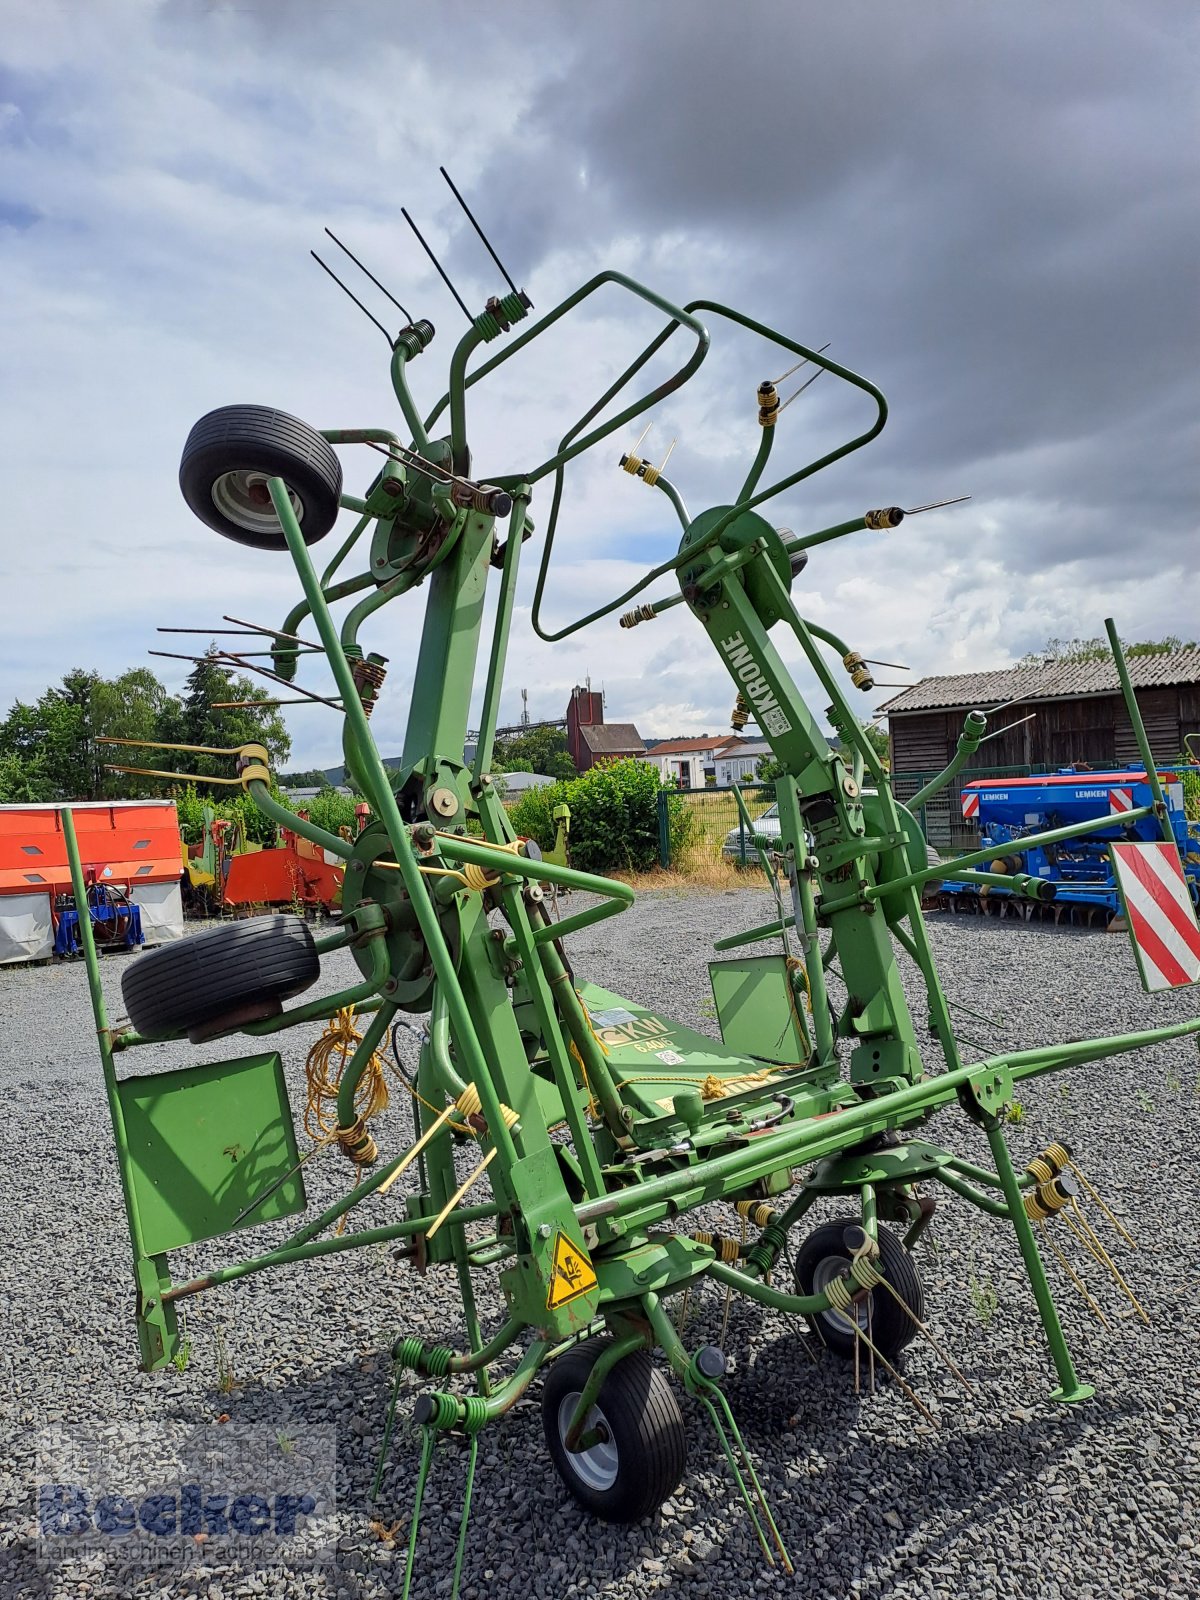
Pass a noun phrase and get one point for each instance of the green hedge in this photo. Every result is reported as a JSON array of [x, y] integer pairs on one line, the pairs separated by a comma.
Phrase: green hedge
[[329, 810], [614, 817]]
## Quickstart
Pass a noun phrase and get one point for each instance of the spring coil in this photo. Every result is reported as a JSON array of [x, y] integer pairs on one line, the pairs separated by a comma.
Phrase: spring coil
[[768, 405], [757, 1212], [644, 613], [471, 1106], [726, 1249], [415, 338], [741, 713], [1047, 1200], [887, 517], [357, 1145], [368, 675]]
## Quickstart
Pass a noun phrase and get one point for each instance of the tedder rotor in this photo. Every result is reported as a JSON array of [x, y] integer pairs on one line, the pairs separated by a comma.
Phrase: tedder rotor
[[599, 1125]]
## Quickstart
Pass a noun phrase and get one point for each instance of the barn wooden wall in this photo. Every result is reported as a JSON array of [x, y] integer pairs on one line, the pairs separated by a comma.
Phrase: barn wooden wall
[[1094, 731]]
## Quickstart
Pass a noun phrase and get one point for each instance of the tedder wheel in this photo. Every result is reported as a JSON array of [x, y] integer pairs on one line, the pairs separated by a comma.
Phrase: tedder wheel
[[640, 1460], [220, 979], [825, 1255], [230, 454]]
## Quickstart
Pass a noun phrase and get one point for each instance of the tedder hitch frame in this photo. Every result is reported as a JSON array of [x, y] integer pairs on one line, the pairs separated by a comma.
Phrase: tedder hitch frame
[[598, 1125]]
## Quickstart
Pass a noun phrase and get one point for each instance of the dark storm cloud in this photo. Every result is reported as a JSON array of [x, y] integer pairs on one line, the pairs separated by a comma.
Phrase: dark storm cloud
[[992, 210]]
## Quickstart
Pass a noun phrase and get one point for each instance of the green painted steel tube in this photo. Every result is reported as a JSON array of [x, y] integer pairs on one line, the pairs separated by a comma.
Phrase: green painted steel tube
[[804, 1305], [814, 968], [951, 869], [829, 1135], [286, 1254], [469, 1045], [828, 637], [968, 1169], [768, 930], [448, 1080], [345, 548], [616, 1350], [486, 1354], [359, 1061], [1022, 885], [459, 454], [266, 802], [490, 713], [570, 1008], [328, 1005], [838, 531], [452, 1411], [680, 317], [1139, 730], [1070, 1388], [358, 614], [968, 1191], [758, 465], [456, 847], [99, 1012], [676, 499], [285, 655], [815, 356], [974, 728], [408, 406]]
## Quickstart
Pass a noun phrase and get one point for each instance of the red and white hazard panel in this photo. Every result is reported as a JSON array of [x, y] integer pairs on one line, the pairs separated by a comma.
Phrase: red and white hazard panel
[[1119, 801], [970, 805], [1158, 908]]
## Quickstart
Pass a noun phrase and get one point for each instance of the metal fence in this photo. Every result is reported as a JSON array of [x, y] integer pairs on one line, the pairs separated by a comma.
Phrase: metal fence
[[717, 824]]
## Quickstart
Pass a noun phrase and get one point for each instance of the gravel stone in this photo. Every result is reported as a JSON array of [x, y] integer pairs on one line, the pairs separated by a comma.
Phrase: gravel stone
[[1007, 1495]]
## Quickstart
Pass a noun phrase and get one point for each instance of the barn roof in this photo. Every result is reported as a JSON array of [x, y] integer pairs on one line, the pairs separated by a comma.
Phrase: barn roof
[[705, 742], [1051, 680], [612, 738]]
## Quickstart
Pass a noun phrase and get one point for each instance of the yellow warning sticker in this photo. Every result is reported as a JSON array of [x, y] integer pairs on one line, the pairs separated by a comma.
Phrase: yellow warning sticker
[[573, 1273]]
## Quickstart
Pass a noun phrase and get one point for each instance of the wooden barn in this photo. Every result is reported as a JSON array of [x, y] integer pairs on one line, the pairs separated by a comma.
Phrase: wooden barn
[[1079, 716], [1079, 719]]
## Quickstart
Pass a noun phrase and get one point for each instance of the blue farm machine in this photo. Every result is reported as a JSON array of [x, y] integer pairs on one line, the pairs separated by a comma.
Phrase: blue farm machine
[[1010, 811]]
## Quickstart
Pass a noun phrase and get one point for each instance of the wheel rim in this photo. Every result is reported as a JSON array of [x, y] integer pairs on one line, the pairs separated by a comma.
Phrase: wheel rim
[[826, 1271], [243, 498], [597, 1466]]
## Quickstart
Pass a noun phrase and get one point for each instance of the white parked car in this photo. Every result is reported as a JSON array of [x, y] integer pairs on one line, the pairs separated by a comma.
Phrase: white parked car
[[766, 828]]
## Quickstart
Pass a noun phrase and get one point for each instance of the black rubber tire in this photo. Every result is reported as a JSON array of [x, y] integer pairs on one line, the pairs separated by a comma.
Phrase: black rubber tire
[[266, 443], [214, 981], [646, 1429], [891, 1326]]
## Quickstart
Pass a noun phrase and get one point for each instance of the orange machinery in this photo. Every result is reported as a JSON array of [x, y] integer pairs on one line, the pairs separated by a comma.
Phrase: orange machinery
[[132, 845], [296, 872]]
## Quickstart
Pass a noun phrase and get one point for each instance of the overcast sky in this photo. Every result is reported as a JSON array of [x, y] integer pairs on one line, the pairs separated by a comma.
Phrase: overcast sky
[[988, 209]]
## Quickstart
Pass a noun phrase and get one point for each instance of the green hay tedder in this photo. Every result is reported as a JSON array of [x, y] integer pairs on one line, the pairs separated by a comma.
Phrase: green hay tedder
[[594, 1126]]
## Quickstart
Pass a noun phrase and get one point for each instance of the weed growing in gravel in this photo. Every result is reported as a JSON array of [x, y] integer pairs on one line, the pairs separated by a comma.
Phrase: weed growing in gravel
[[182, 1356], [984, 1299], [1174, 1082], [226, 1381], [286, 1445], [1145, 1103], [1016, 1112]]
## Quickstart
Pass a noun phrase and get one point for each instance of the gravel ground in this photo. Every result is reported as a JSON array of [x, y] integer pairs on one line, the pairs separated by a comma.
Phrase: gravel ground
[[1007, 1495]]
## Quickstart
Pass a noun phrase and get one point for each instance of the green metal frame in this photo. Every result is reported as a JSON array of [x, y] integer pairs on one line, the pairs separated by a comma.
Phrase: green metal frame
[[577, 1224]]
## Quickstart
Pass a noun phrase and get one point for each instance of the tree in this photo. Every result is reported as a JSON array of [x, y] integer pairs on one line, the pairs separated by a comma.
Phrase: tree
[[541, 750], [1097, 649], [205, 720], [50, 750]]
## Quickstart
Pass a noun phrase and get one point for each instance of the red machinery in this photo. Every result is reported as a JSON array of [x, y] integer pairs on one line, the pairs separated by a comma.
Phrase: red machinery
[[296, 872]]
